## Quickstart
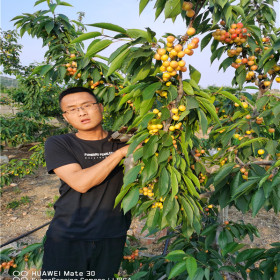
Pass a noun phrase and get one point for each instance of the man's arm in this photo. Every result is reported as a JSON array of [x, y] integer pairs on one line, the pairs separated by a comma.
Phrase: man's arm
[[82, 180]]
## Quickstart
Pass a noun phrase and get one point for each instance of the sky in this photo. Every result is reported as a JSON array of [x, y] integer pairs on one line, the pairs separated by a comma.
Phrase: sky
[[124, 13]]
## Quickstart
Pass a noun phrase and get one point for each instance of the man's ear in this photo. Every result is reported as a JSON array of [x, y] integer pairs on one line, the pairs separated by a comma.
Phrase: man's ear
[[101, 107], [65, 117]]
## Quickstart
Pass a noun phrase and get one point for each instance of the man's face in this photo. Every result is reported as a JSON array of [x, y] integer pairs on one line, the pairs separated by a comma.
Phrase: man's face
[[83, 119]]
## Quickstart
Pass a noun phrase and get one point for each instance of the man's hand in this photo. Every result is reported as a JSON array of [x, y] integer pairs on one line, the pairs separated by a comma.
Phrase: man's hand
[[124, 149]]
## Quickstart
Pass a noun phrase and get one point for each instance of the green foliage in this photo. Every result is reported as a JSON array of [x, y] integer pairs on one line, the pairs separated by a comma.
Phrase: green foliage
[[50, 210], [9, 53], [16, 203], [7, 83], [39, 100], [18, 168], [22, 259], [199, 257], [21, 129]]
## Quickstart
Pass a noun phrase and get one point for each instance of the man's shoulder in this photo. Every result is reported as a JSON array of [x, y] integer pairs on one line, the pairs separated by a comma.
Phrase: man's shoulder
[[58, 138]]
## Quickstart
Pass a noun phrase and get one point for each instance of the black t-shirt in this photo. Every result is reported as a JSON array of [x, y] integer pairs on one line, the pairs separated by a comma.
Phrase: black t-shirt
[[90, 215]]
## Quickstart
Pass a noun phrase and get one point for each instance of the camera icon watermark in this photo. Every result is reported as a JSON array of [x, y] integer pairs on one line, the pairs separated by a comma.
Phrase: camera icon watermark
[[20, 275]]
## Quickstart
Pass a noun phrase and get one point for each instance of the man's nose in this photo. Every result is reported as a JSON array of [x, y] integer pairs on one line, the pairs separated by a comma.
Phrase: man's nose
[[81, 111]]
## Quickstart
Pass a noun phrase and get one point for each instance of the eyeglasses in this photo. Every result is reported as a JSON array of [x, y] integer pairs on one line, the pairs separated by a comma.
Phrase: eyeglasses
[[74, 111]]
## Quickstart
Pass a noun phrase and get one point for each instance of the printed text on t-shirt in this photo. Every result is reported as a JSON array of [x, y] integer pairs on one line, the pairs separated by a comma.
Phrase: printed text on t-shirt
[[96, 155]]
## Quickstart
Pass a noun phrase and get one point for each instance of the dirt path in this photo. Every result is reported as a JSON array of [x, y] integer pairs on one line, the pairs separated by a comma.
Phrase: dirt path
[[40, 190]]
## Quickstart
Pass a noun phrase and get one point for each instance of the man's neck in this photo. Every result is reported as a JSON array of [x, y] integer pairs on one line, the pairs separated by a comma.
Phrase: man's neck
[[92, 135]]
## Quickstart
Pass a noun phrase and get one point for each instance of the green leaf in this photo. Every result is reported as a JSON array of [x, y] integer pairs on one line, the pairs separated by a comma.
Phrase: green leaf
[[39, 2], [247, 254], [223, 172], [163, 155], [150, 90], [62, 71], [258, 201], [37, 69], [136, 140], [188, 88], [172, 8], [222, 3], [138, 33], [153, 218], [118, 51], [203, 94], [271, 147], [146, 105], [207, 273], [205, 41], [99, 46], [168, 205], [267, 53], [52, 7], [167, 140], [244, 187], [150, 170], [188, 209], [209, 229], [226, 63], [232, 247], [249, 142], [150, 147], [174, 182], [177, 269], [217, 53], [227, 268], [117, 62], [276, 45], [268, 65], [176, 255], [49, 26], [193, 178], [86, 36], [241, 77], [159, 5], [164, 182], [195, 74], [223, 239], [131, 175], [191, 266], [191, 103], [231, 97], [209, 108], [45, 69], [65, 4], [239, 10], [143, 121], [190, 186], [109, 26], [142, 5], [142, 72], [228, 13], [30, 248], [254, 29], [130, 199], [203, 121], [122, 194]]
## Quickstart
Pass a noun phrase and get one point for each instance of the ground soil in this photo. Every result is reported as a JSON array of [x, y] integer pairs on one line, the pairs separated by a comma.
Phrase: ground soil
[[42, 188]]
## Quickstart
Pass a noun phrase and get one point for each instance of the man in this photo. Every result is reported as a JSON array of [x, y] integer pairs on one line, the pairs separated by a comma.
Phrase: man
[[87, 234]]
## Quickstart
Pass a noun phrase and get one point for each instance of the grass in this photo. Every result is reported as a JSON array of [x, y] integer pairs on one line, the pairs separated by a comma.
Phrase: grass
[[16, 203], [50, 212]]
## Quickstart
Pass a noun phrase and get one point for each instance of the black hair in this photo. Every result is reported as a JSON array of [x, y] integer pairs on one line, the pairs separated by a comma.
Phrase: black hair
[[75, 90]]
